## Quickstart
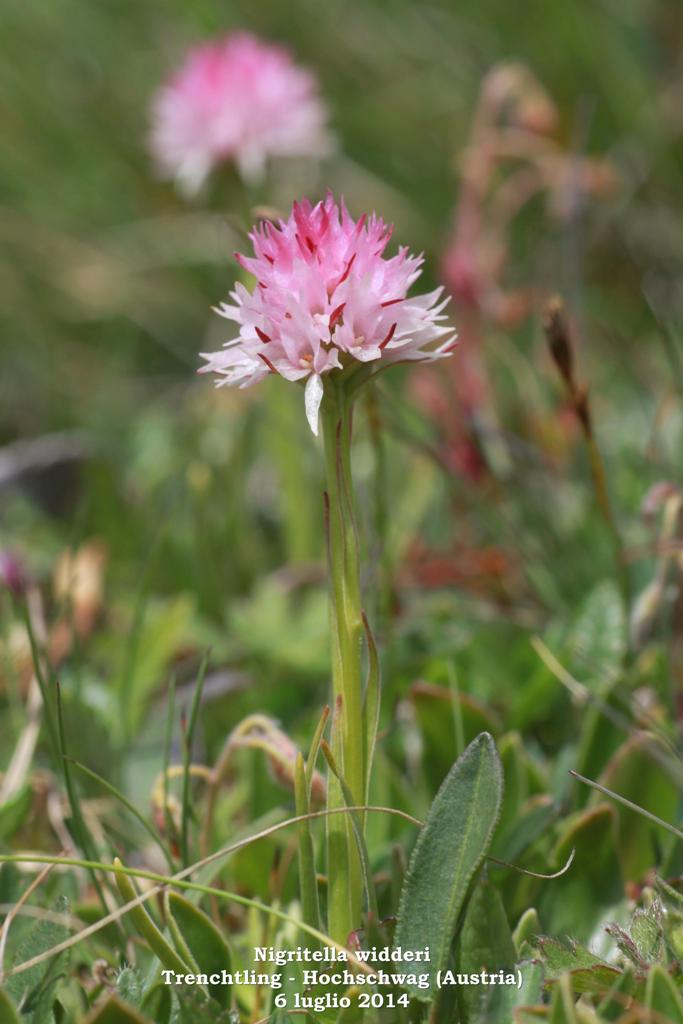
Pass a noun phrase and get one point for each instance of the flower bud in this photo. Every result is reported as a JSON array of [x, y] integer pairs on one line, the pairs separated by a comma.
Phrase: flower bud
[[281, 752], [557, 333]]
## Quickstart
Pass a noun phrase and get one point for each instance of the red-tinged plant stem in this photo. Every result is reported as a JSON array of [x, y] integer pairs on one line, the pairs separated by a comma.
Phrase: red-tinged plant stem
[[346, 627], [556, 326]]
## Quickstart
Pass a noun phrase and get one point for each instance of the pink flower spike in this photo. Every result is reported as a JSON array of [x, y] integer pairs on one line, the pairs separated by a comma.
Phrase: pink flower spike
[[237, 99], [329, 299]]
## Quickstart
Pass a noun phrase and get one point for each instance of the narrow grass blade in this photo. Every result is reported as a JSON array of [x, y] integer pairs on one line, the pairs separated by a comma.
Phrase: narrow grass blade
[[308, 885], [458, 724], [168, 742], [629, 803], [80, 829], [130, 807], [187, 757], [48, 704], [368, 883], [315, 749]]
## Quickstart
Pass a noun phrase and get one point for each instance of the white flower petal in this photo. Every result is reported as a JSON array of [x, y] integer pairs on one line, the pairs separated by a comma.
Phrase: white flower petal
[[313, 396]]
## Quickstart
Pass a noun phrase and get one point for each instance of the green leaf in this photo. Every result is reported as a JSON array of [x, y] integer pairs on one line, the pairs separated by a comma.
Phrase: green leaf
[[670, 895], [352, 1014], [559, 957], [562, 1010], [662, 996], [672, 922], [146, 926], [633, 773], [366, 870], [647, 935], [509, 998], [516, 775], [575, 903], [528, 927], [599, 738], [198, 941], [8, 1013], [485, 943], [625, 944], [597, 642], [534, 821], [33, 988], [616, 1000], [449, 850], [115, 1011], [190, 1006], [673, 930], [437, 708], [158, 1004], [296, 638], [588, 972], [159, 630], [129, 986], [13, 812], [596, 980]]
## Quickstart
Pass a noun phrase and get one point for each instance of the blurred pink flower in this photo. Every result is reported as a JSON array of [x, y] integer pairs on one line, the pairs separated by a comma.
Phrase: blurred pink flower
[[12, 573], [240, 99], [326, 297]]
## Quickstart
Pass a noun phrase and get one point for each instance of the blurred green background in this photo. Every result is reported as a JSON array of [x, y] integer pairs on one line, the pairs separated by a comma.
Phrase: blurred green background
[[107, 279]]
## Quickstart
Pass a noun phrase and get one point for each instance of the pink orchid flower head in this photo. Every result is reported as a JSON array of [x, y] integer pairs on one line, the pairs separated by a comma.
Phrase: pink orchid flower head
[[236, 99], [325, 301]]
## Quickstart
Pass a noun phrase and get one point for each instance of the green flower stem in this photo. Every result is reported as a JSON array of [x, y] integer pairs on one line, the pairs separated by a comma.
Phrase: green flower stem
[[345, 884]]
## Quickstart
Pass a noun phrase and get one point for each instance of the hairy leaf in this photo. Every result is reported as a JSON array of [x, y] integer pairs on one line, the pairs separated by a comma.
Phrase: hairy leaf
[[450, 848], [559, 957], [485, 944], [33, 989]]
